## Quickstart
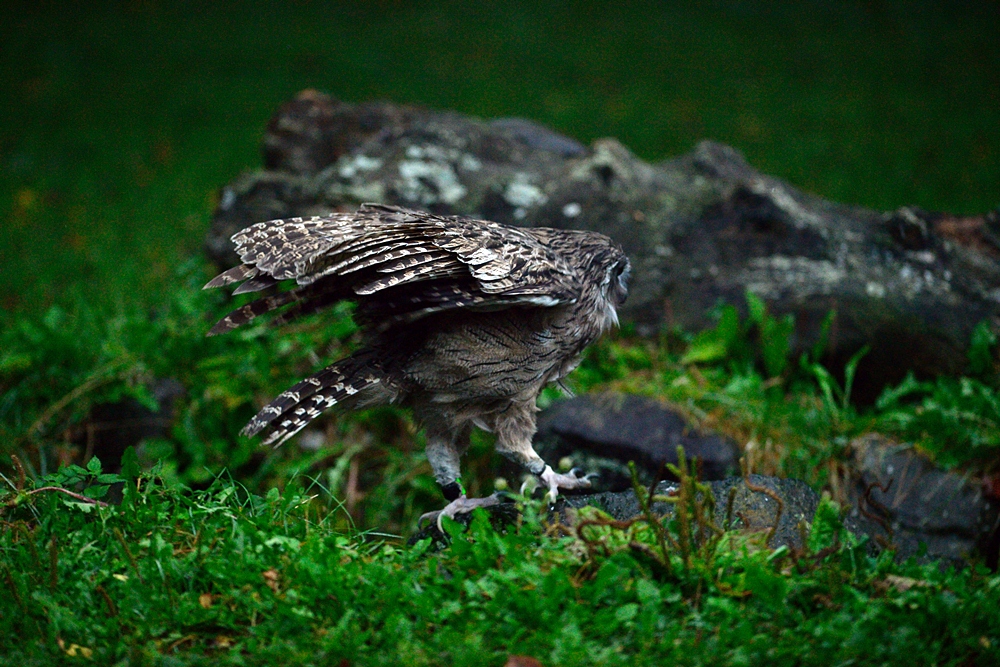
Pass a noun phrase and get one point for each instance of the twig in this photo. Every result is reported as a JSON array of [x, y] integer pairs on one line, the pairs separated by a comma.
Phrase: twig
[[77, 496], [730, 499], [53, 564], [604, 523], [774, 496], [19, 498], [13, 588], [654, 523], [20, 472], [867, 499], [112, 608], [94, 381], [128, 553], [649, 553]]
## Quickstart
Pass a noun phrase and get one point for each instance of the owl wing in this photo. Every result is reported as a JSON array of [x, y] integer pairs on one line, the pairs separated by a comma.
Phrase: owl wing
[[398, 264]]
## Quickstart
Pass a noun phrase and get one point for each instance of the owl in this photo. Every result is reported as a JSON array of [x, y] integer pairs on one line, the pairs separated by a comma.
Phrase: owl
[[464, 321]]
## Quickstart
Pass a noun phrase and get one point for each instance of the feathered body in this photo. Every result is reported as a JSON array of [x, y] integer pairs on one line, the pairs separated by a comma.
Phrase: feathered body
[[465, 320]]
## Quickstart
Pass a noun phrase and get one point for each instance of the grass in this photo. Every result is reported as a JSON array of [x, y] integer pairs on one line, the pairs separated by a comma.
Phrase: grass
[[225, 577]]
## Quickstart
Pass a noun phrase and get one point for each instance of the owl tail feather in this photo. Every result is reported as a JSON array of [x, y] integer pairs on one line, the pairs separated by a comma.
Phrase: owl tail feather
[[349, 382]]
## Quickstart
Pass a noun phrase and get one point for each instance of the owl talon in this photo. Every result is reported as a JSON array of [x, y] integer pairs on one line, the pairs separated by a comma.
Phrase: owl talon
[[578, 472], [460, 505], [556, 481]]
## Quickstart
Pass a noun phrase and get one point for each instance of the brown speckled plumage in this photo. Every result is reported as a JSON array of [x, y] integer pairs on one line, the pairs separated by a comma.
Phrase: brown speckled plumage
[[465, 320]]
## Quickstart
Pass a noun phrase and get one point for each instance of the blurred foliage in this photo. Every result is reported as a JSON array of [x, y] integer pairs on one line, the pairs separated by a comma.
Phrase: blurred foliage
[[956, 420], [124, 118], [730, 338]]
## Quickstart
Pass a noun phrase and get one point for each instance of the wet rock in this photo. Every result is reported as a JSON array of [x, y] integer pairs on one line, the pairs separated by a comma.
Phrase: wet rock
[[602, 433], [311, 131], [754, 507], [702, 228], [897, 498], [905, 502]]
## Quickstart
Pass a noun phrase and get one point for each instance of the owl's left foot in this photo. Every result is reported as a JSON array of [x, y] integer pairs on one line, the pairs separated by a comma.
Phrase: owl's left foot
[[460, 505], [556, 481]]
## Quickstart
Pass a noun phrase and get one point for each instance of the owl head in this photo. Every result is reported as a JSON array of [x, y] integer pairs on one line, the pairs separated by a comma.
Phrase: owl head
[[615, 283], [611, 270]]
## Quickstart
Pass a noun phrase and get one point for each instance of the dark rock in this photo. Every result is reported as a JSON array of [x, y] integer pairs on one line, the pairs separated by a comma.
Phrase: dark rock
[[911, 505], [602, 433], [310, 132], [263, 196], [702, 228], [752, 509], [538, 136], [111, 428]]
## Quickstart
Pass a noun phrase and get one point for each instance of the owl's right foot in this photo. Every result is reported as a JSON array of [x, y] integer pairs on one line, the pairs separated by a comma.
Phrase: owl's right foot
[[460, 505], [556, 481]]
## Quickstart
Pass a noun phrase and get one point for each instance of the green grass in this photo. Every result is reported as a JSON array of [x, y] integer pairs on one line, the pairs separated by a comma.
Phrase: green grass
[[229, 578]]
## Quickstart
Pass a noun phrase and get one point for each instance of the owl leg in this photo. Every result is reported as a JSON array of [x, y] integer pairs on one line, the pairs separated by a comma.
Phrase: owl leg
[[443, 453], [515, 428]]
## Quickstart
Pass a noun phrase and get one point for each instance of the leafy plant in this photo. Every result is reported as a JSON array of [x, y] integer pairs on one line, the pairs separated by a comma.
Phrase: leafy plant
[[731, 338], [719, 342], [955, 419], [228, 577], [775, 334], [983, 350], [836, 398]]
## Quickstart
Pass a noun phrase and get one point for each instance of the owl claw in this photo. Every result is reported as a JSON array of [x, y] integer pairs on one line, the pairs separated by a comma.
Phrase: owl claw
[[460, 505], [577, 471], [556, 481]]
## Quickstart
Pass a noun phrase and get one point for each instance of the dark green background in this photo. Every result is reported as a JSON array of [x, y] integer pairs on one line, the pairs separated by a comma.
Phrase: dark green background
[[120, 120]]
